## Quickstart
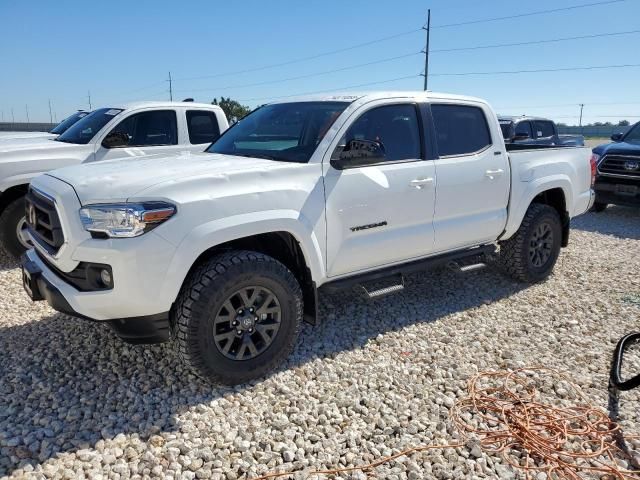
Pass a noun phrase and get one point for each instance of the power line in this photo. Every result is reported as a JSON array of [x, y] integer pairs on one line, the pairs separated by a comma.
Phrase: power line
[[303, 59], [529, 14], [299, 77], [541, 70], [387, 38], [332, 89], [534, 42], [566, 105]]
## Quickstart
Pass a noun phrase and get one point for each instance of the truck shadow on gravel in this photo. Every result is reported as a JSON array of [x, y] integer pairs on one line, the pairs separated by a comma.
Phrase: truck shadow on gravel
[[6, 262], [67, 384], [621, 222]]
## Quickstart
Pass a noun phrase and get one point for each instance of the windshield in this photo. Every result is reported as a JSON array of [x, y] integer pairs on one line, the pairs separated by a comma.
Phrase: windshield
[[633, 135], [64, 125], [85, 129], [288, 132]]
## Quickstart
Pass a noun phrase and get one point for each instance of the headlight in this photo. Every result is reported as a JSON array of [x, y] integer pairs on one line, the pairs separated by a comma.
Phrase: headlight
[[122, 220]]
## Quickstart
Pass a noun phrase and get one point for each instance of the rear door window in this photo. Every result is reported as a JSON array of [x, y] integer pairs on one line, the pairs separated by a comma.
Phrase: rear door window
[[524, 128], [203, 127], [460, 129], [155, 128], [543, 129]]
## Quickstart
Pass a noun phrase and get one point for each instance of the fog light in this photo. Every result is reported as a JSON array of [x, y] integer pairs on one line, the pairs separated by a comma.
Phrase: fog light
[[105, 276]]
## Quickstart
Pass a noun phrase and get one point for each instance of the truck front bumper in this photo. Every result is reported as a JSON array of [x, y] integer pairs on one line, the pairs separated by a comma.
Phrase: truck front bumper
[[618, 191], [42, 284]]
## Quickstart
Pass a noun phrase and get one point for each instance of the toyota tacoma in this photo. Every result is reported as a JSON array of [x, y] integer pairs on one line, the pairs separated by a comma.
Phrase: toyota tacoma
[[225, 251], [618, 176]]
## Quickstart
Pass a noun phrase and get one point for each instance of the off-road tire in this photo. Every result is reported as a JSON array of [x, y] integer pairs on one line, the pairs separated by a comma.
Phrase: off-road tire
[[599, 207], [9, 220], [202, 296], [514, 259]]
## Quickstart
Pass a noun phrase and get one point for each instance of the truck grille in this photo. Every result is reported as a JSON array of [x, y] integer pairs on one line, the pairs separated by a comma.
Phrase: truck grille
[[43, 221], [620, 165]]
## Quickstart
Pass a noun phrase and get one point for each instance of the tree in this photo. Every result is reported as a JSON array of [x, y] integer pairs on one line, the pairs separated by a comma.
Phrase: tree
[[623, 123], [233, 109]]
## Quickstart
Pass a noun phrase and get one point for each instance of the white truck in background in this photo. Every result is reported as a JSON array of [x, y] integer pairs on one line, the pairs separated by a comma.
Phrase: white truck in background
[[59, 129], [224, 251], [128, 131]]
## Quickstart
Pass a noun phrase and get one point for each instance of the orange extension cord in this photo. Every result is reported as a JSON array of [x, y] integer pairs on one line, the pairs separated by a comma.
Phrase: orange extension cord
[[574, 442]]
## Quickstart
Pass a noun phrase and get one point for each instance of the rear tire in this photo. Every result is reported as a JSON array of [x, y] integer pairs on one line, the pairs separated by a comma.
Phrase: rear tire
[[599, 207], [10, 219], [237, 317], [530, 255]]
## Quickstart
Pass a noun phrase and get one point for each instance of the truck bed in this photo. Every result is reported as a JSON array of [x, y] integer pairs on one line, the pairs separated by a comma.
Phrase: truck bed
[[533, 165]]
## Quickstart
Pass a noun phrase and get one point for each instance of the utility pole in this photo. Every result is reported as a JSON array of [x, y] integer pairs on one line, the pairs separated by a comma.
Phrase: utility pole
[[13, 119], [50, 115], [581, 108], [426, 51], [26, 108], [89, 98], [170, 88]]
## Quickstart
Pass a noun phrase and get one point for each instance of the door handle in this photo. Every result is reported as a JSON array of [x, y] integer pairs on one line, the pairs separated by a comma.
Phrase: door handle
[[420, 183], [492, 174]]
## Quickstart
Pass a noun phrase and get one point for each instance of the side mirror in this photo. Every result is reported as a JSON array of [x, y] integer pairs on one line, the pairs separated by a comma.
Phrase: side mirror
[[359, 153], [518, 137], [116, 139], [616, 378], [616, 137]]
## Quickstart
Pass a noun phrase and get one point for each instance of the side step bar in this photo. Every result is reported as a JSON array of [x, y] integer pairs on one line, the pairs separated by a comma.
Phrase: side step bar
[[465, 260], [383, 291]]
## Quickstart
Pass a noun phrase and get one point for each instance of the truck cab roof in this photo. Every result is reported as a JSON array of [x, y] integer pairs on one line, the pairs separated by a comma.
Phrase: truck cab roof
[[364, 97], [164, 104], [521, 118]]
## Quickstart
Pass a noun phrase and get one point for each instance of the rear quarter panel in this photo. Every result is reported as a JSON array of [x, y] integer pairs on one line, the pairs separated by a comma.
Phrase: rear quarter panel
[[536, 171]]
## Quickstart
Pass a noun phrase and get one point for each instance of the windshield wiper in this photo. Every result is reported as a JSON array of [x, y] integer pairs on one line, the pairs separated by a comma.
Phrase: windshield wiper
[[260, 155]]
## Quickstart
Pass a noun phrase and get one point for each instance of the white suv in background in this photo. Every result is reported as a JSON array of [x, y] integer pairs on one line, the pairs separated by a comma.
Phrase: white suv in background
[[125, 131]]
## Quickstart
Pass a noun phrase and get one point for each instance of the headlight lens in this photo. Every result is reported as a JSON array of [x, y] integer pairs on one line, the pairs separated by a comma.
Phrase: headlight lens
[[123, 220]]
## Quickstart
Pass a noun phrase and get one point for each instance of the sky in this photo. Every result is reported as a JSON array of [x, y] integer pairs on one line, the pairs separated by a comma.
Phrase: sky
[[256, 51]]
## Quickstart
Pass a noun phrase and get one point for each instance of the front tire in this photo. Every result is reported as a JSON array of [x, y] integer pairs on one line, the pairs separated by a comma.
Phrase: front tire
[[530, 255], [599, 207], [237, 317], [13, 229]]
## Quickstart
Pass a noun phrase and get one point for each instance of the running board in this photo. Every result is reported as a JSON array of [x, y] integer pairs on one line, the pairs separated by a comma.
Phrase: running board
[[384, 291], [465, 258], [472, 267]]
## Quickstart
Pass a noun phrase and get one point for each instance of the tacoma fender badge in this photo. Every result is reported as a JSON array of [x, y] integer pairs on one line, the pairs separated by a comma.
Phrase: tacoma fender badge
[[368, 227]]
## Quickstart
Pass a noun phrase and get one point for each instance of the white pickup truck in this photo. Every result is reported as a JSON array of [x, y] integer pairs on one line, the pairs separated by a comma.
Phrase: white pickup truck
[[126, 131], [59, 129], [224, 251]]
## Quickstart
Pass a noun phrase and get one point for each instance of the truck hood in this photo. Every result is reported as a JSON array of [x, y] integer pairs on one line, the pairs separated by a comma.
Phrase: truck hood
[[22, 146], [618, 148], [11, 136], [120, 180]]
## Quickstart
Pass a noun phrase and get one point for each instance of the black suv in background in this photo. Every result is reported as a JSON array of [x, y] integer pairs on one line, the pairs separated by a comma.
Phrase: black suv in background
[[618, 174], [535, 131]]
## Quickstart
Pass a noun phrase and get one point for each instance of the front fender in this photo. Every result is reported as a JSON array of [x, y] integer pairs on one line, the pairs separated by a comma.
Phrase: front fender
[[521, 198], [17, 180], [217, 232]]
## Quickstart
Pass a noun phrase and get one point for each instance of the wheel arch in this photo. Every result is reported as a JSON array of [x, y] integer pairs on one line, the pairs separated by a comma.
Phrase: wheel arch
[[282, 245], [556, 198], [555, 193], [11, 194]]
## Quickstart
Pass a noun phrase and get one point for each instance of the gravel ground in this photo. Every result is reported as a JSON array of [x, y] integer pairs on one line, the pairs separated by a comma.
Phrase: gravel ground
[[375, 378]]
